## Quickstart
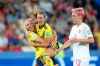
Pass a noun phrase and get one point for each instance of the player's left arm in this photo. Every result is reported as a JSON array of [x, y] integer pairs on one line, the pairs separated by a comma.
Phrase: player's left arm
[[85, 40], [54, 38]]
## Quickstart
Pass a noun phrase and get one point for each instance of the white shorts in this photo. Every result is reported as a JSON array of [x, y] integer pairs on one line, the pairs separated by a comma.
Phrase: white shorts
[[81, 56]]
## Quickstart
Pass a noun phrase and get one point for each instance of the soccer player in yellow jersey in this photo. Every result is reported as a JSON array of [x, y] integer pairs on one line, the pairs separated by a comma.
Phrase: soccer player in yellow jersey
[[41, 36]]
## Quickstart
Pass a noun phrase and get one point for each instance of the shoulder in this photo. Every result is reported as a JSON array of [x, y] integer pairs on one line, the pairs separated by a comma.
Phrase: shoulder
[[84, 25], [48, 27], [86, 28]]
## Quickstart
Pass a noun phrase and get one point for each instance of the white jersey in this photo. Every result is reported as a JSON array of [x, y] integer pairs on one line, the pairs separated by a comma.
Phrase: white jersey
[[80, 50]]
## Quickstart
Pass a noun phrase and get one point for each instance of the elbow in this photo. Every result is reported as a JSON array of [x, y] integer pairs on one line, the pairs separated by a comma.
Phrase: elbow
[[91, 40]]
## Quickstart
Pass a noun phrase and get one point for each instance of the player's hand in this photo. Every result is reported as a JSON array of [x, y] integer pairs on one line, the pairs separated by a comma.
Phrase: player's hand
[[58, 50]]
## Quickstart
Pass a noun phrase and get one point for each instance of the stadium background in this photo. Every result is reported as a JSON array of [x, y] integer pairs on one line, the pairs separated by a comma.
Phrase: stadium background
[[14, 49]]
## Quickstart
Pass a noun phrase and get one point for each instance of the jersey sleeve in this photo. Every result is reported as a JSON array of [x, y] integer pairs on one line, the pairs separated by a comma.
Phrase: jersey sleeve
[[88, 32], [48, 31]]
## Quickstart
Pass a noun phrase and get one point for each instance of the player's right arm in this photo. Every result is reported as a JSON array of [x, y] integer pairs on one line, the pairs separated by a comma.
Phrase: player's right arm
[[68, 42], [65, 45], [37, 44], [36, 41]]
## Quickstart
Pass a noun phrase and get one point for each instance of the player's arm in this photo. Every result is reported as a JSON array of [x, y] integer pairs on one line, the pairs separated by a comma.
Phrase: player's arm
[[42, 42], [37, 44], [73, 40], [68, 42], [83, 40], [65, 45], [36, 41], [53, 39]]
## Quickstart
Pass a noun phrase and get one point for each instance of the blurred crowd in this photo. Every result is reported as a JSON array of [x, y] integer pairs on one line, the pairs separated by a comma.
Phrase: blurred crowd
[[14, 12]]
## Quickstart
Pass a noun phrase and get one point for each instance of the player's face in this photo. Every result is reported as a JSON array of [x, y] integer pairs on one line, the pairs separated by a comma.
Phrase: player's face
[[40, 19], [76, 19], [29, 26]]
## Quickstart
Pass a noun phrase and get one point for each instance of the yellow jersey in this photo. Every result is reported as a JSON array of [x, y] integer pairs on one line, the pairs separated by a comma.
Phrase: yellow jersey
[[45, 32]]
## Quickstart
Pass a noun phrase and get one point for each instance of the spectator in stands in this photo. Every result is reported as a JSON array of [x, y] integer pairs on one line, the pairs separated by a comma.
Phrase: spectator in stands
[[13, 39], [30, 5], [47, 6], [3, 39]]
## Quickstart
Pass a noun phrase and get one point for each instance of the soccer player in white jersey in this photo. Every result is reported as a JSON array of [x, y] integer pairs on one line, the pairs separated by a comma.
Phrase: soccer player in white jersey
[[79, 39]]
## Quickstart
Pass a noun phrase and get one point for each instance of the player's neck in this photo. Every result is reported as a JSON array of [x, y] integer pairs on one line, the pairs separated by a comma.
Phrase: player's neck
[[79, 23]]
